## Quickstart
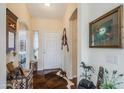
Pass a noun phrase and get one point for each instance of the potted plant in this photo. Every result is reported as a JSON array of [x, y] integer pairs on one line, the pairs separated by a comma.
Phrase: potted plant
[[111, 81]]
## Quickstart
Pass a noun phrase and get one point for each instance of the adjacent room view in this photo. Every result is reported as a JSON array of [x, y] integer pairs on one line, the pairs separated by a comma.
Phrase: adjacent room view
[[61, 46]]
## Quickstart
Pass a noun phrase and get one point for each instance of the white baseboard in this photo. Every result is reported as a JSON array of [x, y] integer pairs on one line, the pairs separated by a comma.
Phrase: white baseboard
[[40, 69], [71, 77]]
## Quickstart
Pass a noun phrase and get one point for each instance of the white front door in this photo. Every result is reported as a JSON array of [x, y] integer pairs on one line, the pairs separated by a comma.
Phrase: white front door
[[51, 50]]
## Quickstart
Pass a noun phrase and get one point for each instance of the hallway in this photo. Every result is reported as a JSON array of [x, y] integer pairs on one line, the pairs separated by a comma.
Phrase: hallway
[[40, 41]]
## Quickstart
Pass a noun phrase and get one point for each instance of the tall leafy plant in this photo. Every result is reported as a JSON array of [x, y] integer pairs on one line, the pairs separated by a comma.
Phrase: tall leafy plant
[[111, 81]]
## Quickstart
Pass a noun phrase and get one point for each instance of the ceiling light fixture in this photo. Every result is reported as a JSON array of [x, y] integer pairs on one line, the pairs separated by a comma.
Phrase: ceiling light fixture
[[47, 4]]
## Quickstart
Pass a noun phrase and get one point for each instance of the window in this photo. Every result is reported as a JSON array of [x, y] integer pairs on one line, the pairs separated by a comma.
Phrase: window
[[35, 45], [22, 47]]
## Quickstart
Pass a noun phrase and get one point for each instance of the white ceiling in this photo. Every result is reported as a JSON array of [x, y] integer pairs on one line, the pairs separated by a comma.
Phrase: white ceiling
[[55, 11]]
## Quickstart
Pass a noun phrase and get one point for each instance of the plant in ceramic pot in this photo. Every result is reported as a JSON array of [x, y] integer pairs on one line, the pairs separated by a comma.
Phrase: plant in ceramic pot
[[111, 80]]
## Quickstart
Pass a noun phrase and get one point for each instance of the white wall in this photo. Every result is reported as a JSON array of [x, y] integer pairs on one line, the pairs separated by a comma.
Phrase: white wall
[[2, 46], [83, 28], [46, 25], [98, 56], [67, 56], [20, 10]]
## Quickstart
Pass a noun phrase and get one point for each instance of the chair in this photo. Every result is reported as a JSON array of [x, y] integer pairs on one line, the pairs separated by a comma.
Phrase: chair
[[19, 78]]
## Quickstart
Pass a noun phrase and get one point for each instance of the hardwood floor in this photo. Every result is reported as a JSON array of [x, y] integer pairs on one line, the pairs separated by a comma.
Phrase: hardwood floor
[[74, 80], [49, 80]]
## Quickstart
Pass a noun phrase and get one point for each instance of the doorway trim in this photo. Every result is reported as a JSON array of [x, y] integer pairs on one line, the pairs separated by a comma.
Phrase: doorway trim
[[74, 16]]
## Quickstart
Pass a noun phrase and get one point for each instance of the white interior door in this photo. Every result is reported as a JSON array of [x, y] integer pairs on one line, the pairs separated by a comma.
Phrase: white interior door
[[51, 50]]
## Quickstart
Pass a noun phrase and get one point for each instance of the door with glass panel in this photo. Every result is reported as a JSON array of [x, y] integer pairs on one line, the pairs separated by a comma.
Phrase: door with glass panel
[[35, 45]]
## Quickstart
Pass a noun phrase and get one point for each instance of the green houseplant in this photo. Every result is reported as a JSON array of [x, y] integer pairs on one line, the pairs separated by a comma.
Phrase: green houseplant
[[111, 80]]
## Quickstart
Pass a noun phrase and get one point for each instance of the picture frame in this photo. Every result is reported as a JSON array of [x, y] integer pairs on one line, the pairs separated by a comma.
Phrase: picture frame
[[11, 41], [11, 21], [105, 31]]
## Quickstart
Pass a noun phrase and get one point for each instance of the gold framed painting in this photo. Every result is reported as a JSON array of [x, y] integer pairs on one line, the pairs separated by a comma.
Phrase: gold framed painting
[[105, 31]]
